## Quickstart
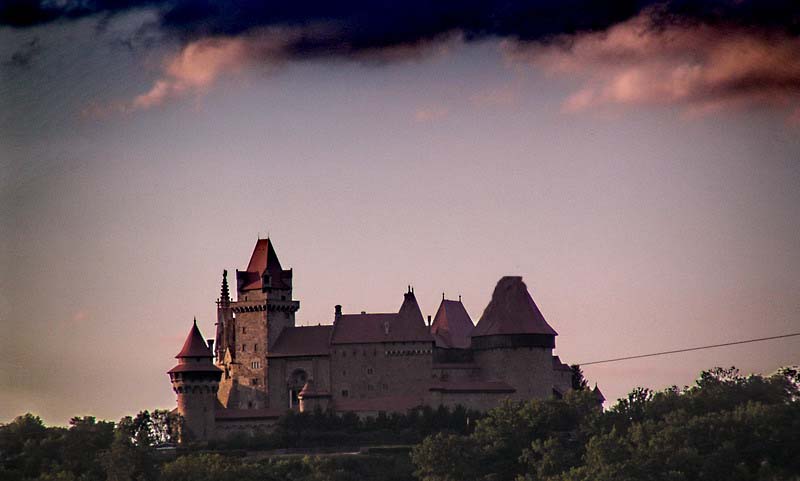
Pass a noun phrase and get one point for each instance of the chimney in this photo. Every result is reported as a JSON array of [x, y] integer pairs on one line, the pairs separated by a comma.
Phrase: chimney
[[337, 312]]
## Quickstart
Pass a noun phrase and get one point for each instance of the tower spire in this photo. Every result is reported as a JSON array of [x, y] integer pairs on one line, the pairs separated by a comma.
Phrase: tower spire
[[225, 294]]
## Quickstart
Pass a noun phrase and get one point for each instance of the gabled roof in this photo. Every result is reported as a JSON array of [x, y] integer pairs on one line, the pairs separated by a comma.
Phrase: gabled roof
[[195, 346], [405, 326], [303, 341], [452, 325], [263, 259], [512, 311]]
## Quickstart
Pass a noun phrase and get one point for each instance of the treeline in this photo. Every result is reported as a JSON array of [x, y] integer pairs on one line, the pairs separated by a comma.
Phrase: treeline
[[327, 429], [725, 427], [129, 450]]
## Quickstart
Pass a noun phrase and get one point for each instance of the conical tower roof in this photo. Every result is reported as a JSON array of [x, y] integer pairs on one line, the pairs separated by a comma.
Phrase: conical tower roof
[[512, 311], [195, 346]]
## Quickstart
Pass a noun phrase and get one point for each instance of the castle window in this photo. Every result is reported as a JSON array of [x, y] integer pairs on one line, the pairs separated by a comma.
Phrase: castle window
[[345, 393], [244, 329], [254, 381], [255, 347], [344, 373], [244, 347], [369, 370], [255, 365]]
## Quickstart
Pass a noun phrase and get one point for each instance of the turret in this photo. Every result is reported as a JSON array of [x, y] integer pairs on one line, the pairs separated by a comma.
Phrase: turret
[[513, 330], [195, 380]]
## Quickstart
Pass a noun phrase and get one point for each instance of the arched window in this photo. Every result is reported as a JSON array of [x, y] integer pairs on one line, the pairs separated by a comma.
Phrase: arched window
[[296, 382]]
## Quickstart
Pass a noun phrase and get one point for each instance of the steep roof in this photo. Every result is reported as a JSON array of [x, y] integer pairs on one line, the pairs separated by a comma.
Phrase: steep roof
[[512, 311], [452, 325], [263, 259], [407, 325], [303, 341], [195, 345], [598, 394]]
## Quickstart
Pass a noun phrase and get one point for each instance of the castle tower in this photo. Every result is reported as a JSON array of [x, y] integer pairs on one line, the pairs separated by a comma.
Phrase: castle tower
[[195, 381], [250, 326], [513, 332]]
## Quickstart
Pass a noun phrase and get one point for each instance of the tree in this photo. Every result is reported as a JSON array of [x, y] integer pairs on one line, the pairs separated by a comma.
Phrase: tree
[[579, 383], [446, 457], [726, 426]]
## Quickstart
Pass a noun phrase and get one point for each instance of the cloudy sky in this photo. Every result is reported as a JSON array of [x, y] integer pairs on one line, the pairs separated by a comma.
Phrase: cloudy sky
[[637, 163]]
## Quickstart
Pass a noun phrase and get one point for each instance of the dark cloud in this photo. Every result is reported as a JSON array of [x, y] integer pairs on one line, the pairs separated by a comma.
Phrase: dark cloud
[[25, 54], [361, 25]]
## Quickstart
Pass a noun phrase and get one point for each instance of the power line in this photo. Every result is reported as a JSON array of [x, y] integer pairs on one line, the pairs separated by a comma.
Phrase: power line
[[700, 348]]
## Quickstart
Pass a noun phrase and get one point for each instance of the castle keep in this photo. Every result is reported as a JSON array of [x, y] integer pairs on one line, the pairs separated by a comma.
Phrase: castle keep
[[261, 364]]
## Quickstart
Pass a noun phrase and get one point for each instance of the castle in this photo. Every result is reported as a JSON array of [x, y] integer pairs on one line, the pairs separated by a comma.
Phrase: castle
[[261, 364]]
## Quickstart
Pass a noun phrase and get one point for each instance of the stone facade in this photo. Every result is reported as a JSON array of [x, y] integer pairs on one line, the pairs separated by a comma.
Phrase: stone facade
[[364, 363]]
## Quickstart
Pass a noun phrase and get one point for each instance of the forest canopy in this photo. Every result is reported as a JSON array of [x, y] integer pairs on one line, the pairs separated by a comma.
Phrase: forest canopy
[[724, 427]]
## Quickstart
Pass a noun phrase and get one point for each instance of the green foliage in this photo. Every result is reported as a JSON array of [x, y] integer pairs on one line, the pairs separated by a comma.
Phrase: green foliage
[[579, 383], [727, 426], [216, 467], [89, 450], [325, 428], [446, 457]]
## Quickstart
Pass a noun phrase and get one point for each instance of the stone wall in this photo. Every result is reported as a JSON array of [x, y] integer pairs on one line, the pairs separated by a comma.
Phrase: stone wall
[[380, 370], [529, 370]]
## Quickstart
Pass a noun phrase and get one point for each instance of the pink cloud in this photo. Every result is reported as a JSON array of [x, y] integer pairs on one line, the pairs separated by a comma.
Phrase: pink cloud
[[700, 67], [199, 64], [194, 70]]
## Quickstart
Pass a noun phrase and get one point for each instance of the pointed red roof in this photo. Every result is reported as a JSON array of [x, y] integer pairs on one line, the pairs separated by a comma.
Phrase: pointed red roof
[[195, 346], [452, 325], [512, 311], [263, 256], [407, 325], [263, 259]]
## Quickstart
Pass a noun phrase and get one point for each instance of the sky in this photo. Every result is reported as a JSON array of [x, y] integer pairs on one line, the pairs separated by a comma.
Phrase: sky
[[638, 165]]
